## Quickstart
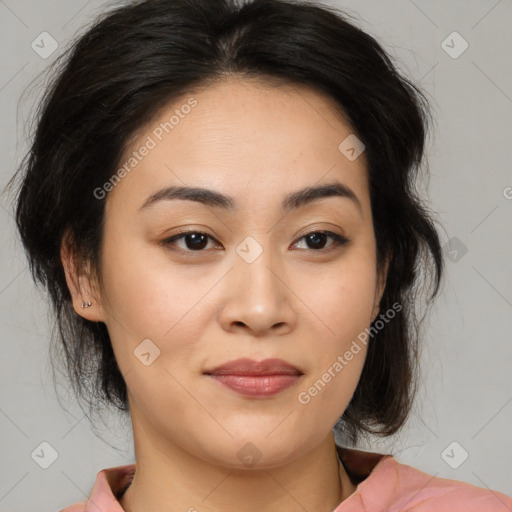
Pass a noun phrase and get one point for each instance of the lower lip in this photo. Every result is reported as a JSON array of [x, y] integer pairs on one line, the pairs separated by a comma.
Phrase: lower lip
[[252, 385]]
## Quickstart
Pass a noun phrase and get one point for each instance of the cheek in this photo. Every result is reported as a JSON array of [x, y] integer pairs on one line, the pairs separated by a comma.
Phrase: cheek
[[340, 296], [340, 352], [146, 299], [328, 391], [144, 289], [342, 300]]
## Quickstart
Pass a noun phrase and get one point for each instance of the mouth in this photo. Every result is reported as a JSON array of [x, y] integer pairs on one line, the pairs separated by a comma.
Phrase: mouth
[[256, 378]]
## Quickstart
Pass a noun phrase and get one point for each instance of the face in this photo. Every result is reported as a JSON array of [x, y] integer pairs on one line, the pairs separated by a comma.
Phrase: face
[[258, 277]]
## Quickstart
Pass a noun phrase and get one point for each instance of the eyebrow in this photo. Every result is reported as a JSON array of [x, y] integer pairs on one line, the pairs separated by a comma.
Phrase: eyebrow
[[291, 201]]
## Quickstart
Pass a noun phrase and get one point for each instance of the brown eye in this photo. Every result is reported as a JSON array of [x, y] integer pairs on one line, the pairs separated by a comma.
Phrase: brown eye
[[316, 240], [197, 241], [193, 240]]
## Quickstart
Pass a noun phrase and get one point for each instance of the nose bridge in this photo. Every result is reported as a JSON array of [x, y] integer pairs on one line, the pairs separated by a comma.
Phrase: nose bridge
[[256, 266], [256, 294]]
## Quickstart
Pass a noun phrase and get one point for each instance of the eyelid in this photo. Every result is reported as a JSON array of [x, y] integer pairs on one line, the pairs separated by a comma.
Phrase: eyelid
[[339, 240], [180, 234]]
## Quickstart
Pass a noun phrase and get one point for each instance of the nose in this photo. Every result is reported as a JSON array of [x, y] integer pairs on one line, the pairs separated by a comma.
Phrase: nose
[[257, 298]]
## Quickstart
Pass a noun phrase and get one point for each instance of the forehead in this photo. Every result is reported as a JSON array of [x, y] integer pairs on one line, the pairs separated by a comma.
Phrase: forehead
[[254, 140]]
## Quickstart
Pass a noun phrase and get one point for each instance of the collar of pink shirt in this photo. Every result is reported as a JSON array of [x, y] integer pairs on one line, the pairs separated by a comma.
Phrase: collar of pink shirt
[[383, 484]]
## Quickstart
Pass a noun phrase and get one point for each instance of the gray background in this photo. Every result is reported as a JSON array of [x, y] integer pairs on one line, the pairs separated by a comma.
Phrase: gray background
[[466, 394]]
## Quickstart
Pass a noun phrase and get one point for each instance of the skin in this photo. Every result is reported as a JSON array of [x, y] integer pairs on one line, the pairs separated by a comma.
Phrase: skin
[[255, 143]]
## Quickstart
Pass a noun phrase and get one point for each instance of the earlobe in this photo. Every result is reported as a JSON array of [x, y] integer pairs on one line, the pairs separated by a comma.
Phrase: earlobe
[[79, 284]]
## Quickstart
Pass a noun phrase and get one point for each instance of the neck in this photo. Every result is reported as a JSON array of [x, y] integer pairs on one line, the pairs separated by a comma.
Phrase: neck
[[169, 479]]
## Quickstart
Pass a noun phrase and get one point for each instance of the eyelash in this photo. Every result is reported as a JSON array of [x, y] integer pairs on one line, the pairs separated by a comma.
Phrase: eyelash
[[339, 240]]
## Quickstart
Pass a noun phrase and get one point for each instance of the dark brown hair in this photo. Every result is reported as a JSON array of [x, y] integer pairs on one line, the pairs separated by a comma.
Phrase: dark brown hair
[[138, 57]]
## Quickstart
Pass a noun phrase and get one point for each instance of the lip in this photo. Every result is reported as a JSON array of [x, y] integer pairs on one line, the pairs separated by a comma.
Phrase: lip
[[255, 368], [256, 378]]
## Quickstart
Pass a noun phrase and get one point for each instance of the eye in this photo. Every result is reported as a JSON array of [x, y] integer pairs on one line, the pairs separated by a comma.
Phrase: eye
[[196, 241], [317, 240]]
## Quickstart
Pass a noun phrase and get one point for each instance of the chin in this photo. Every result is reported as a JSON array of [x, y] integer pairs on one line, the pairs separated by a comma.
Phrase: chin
[[254, 452]]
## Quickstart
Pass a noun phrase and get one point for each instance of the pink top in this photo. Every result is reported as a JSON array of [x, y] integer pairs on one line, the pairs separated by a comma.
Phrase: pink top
[[383, 484]]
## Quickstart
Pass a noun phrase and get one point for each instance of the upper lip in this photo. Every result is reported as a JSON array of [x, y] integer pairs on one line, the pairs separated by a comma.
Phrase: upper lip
[[250, 367]]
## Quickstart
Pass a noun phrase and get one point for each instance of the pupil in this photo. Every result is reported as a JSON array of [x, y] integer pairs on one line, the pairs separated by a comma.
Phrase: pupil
[[314, 237], [199, 241]]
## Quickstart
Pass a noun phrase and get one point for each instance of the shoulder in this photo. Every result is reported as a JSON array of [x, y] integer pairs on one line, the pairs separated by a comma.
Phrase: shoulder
[[393, 486], [77, 507], [428, 492], [109, 484]]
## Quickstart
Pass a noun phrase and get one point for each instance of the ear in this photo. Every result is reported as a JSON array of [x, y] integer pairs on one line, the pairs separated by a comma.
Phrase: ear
[[81, 285], [380, 287]]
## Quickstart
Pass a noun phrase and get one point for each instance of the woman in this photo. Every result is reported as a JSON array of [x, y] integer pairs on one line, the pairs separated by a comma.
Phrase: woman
[[220, 201]]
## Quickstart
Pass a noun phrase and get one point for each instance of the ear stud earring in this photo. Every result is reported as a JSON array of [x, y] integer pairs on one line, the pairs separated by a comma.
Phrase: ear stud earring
[[86, 304]]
